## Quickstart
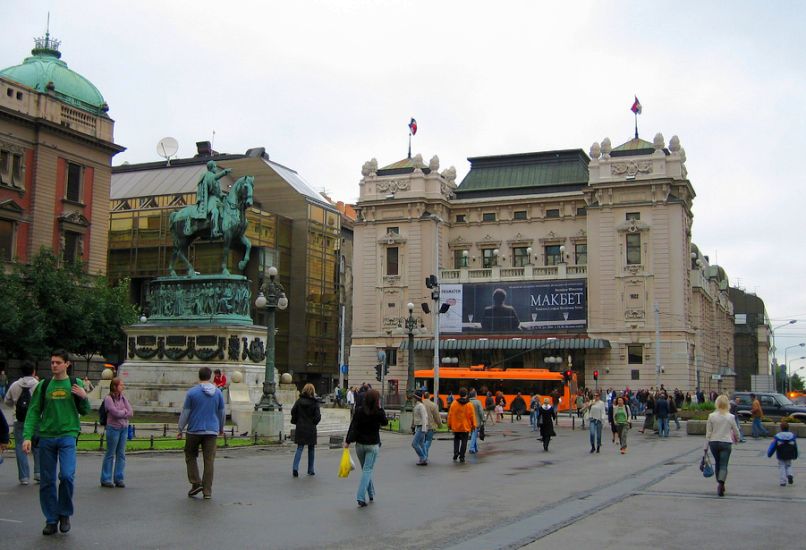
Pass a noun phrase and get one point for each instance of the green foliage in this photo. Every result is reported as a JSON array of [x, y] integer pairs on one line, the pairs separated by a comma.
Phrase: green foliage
[[707, 406], [47, 306], [796, 382], [791, 419]]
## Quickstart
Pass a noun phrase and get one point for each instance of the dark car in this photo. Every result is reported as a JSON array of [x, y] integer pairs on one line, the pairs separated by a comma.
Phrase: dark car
[[800, 401], [774, 405]]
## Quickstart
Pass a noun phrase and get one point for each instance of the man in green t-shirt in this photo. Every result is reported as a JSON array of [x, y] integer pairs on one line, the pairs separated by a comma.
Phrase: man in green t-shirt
[[54, 410]]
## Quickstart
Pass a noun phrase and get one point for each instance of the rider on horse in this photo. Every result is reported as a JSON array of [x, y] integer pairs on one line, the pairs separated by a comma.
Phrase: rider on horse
[[208, 198]]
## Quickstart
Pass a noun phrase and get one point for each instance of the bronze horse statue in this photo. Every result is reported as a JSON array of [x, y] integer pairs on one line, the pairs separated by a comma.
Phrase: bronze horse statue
[[185, 226]]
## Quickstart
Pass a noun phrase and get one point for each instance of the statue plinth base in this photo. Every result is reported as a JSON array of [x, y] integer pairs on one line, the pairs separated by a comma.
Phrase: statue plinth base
[[268, 424], [200, 299]]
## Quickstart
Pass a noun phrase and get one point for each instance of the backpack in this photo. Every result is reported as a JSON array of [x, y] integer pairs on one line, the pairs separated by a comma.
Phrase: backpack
[[21, 407], [786, 450], [102, 413]]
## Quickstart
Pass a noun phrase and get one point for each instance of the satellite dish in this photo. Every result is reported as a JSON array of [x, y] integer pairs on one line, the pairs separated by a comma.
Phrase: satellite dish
[[167, 147]]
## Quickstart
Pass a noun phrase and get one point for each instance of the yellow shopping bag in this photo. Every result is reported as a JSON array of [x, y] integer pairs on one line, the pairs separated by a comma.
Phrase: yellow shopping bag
[[346, 464]]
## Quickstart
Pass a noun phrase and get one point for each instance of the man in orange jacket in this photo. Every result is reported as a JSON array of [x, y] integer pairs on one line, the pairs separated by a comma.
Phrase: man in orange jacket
[[461, 421]]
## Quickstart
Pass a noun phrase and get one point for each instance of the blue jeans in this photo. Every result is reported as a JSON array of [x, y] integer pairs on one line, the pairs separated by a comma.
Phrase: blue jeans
[[663, 426], [115, 455], [595, 430], [473, 447], [367, 455], [758, 429], [533, 420], [55, 451], [418, 443], [721, 452], [429, 437], [23, 469], [298, 456]]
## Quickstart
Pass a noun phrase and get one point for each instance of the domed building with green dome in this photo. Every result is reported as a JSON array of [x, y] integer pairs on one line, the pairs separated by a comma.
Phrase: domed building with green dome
[[56, 149]]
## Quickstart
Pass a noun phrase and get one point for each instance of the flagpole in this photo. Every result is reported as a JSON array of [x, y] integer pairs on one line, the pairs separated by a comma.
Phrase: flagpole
[[409, 144], [636, 125]]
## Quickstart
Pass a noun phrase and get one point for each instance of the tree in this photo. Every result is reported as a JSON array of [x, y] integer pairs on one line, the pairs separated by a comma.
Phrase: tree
[[21, 322], [796, 382]]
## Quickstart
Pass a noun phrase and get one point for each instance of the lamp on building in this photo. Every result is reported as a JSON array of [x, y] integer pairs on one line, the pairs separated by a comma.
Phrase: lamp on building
[[271, 297], [529, 254], [465, 254], [143, 318], [496, 252], [562, 253]]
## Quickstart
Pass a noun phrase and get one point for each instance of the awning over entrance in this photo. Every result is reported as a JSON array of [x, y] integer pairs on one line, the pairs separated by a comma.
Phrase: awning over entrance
[[522, 343]]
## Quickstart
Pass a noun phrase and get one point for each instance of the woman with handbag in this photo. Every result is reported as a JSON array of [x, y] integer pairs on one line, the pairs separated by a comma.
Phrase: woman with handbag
[[720, 433], [365, 432], [305, 415], [118, 413]]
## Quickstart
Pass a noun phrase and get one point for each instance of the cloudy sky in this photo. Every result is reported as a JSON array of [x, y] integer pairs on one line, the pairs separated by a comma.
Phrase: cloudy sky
[[326, 85]]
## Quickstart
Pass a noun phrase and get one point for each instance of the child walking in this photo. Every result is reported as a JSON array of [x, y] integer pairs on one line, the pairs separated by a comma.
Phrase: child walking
[[785, 447]]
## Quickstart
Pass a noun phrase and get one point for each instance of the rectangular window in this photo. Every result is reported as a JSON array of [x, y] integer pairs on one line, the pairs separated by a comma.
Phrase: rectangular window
[[633, 249], [73, 192], [459, 259], [581, 254], [487, 258], [635, 374], [392, 261], [519, 214], [72, 247], [582, 211], [393, 230], [635, 354], [633, 216], [6, 240], [488, 217], [520, 256], [553, 213], [11, 168], [460, 218], [391, 356], [553, 254]]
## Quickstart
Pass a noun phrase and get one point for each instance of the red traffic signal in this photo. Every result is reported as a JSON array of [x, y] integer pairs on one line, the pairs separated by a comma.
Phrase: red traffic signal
[[567, 375], [596, 375]]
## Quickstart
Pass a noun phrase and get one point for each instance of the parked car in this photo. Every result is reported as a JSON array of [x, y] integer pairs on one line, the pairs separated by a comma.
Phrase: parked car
[[774, 405], [800, 401]]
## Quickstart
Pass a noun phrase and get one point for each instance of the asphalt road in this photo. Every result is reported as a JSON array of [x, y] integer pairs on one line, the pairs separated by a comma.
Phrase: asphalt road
[[511, 495]]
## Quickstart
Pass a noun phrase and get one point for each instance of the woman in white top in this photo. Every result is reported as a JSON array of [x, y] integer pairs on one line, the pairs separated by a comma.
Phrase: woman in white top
[[720, 433]]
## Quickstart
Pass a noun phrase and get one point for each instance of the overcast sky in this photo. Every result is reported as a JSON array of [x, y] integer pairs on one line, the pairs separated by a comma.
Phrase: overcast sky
[[325, 86]]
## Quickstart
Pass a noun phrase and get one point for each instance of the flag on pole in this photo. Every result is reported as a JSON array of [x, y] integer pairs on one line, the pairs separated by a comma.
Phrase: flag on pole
[[413, 126], [636, 107]]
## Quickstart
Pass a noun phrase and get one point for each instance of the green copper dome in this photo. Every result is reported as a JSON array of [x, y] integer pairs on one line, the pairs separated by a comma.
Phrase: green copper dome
[[45, 72]]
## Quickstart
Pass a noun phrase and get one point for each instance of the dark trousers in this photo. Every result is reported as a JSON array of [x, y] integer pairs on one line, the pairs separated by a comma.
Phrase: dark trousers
[[721, 451], [208, 447], [459, 444]]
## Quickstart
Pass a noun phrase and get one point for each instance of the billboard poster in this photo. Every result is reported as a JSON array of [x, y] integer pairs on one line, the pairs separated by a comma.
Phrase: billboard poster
[[514, 307]]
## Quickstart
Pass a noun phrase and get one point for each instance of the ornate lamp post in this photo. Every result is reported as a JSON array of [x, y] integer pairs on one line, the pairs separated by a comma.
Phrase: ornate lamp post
[[411, 324], [271, 297]]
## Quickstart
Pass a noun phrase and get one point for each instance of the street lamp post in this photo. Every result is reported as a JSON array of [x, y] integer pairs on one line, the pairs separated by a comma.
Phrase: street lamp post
[[773, 350], [411, 324], [786, 364], [271, 297]]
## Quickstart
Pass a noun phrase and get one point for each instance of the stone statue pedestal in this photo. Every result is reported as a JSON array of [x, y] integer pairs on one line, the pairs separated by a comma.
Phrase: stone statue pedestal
[[268, 424]]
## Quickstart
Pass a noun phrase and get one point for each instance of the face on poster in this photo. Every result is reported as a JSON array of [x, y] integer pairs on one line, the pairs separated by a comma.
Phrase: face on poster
[[514, 307]]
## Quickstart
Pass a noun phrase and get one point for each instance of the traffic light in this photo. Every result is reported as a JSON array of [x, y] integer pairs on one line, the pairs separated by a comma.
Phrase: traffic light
[[386, 370], [431, 281], [596, 375], [567, 375], [378, 375]]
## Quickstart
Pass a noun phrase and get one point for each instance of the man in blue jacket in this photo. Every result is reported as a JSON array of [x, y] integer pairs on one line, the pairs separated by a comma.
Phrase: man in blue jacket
[[203, 419]]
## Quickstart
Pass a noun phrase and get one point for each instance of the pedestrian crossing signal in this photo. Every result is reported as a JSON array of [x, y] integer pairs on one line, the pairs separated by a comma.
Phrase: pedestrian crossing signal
[[596, 375]]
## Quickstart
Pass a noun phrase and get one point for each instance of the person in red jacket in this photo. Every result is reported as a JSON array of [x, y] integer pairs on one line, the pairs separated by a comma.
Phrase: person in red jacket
[[461, 421], [219, 380]]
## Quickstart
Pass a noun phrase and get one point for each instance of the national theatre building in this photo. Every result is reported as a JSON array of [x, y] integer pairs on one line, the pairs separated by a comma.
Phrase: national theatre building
[[554, 259]]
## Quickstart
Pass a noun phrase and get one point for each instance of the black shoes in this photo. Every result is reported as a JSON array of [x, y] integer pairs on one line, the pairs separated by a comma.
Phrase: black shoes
[[195, 489], [50, 529], [107, 484], [311, 473], [120, 485], [593, 449], [64, 524], [295, 473], [597, 449], [790, 479], [720, 488], [362, 504]]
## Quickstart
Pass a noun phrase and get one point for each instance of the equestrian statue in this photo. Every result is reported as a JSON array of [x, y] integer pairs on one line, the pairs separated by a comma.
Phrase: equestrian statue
[[215, 215]]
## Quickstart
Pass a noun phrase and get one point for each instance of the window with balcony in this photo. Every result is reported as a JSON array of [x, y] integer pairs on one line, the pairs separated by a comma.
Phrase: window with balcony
[[633, 249], [520, 256], [553, 254], [488, 258], [519, 215], [73, 187], [459, 259], [581, 254], [392, 261], [488, 217]]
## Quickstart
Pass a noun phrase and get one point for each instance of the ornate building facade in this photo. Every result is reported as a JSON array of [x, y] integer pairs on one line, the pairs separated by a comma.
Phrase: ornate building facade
[[56, 147], [591, 254]]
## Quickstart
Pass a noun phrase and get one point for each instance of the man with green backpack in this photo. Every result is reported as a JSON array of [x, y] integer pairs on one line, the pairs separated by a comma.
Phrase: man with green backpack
[[56, 405]]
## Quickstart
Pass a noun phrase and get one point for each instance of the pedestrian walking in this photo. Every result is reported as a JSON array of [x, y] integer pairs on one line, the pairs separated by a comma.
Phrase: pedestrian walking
[[202, 418], [621, 418], [54, 411], [3, 383], [351, 401], [518, 407], [546, 415], [434, 421], [534, 404], [649, 417], [757, 413], [476, 434], [720, 433], [305, 415], [364, 431], [785, 447], [734, 410], [18, 397], [596, 417], [419, 427], [662, 414], [461, 421], [118, 413], [489, 408]]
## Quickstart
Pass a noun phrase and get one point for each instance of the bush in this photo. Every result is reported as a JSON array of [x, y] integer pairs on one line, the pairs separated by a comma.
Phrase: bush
[[791, 419], [707, 406]]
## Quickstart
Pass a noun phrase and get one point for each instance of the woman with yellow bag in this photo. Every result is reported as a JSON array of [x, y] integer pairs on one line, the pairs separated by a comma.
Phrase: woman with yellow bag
[[365, 432]]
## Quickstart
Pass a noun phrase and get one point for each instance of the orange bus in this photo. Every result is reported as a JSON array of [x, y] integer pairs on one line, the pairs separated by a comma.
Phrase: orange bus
[[508, 381]]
